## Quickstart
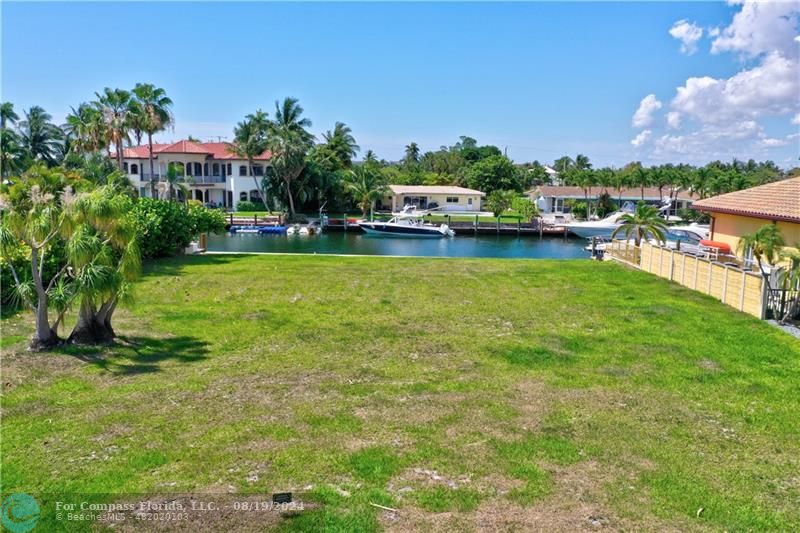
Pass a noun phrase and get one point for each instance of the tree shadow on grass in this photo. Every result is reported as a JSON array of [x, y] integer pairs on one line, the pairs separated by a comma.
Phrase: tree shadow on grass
[[140, 355], [174, 266]]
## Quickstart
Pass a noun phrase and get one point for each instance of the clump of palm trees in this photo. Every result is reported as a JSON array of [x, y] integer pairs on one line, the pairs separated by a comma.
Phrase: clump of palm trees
[[290, 144]]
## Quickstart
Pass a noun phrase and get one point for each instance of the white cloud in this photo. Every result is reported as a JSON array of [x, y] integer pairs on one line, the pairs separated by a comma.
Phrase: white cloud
[[773, 143], [642, 138], [644, 114], [714, 32], [796, 119], [688, 33], [760, 27], [771, 88], [674, 120]]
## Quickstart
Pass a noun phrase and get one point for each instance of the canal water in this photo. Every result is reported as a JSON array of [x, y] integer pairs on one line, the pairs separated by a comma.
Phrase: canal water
[[361, 244]]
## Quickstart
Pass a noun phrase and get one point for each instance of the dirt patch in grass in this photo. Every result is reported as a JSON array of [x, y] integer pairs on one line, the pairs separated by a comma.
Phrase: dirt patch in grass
[[231, 512]]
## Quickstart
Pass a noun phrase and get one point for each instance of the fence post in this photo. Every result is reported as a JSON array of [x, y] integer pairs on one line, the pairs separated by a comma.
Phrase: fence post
[[710, 271], [725, 284], [696, 270], [671, 264], [744, 286]]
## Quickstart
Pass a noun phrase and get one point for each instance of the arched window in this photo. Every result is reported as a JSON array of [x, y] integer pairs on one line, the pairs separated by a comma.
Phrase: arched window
[[125, 167], [215, 169], [243, 196], [258, 170], [243, 170], [254, 196], [135, 169], [198, 169]]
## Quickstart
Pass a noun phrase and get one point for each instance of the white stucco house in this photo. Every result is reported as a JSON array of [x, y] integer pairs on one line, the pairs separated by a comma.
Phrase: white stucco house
[[214, 174]]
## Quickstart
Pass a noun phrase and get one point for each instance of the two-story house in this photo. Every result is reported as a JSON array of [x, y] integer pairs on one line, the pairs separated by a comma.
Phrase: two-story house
[[212, 172]]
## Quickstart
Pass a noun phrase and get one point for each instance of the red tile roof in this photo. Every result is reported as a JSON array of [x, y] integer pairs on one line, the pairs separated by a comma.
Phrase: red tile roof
[[779, 200], [219, 150], [184, 147]]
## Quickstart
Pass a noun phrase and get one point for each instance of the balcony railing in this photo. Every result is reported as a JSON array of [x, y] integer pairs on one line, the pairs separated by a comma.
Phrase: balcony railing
[[146, 176]]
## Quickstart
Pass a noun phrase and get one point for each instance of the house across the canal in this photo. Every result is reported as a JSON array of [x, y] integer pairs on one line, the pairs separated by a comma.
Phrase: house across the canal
[[442, 197]]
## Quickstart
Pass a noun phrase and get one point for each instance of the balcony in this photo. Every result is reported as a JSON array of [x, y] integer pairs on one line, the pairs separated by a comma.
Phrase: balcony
[[189, 180]]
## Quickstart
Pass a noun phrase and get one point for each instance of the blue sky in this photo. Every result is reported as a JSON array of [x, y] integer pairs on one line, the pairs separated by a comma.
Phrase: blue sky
[[542, 79]]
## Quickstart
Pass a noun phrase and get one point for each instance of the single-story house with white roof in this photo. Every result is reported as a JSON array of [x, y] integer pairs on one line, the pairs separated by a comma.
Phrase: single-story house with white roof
[[443, 197]]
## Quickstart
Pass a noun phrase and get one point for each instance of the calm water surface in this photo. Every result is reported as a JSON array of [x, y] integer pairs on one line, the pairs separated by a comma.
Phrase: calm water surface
[[360, 244]]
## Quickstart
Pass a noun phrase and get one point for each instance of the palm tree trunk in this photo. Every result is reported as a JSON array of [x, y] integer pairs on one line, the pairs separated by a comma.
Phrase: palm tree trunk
[[258, 185], [289, 194], [119, 152], [152, 170]]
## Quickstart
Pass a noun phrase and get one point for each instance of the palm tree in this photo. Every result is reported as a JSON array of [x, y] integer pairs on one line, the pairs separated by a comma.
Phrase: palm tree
[[11, 152], [39, 137], [764, 244], [563, 164], [289, 142], [641, 177], [582, 162], [370, 158], [116, 107], [411, 154], [250, 141], [7, 115], [175, 182], [152, 114], [642, 223], [86, 129], [342, 143], [365, 185]]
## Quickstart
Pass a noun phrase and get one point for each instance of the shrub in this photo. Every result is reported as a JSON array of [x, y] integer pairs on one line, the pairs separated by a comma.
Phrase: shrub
[[165, 228], [244, 205]]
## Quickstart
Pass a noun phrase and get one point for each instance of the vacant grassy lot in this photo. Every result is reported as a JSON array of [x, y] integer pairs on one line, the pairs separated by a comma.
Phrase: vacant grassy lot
[[466, 394]]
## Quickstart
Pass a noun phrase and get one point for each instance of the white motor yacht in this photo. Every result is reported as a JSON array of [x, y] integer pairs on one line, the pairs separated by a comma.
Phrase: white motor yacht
[[407, 223]]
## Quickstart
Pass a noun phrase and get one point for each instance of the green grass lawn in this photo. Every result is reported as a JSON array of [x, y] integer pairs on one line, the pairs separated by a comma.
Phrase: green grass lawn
[[466, 394]]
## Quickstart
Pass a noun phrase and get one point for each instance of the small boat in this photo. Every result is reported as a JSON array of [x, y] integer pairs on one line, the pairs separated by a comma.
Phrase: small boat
[[407, 223], [257, 229]]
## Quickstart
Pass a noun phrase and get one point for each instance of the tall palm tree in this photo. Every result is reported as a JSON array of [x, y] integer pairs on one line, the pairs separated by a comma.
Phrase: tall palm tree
[[582, 162], [250, 141], [116, 107], [39, 137], [365, 185], [288, 141], [152, 113], [411, 156], [7, 115], [641, 177], [11, 152], [370, 158], [342, 143], [642, 223], [86, 129]]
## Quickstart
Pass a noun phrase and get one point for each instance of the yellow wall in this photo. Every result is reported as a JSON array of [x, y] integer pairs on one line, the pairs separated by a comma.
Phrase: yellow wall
[[730, 228]]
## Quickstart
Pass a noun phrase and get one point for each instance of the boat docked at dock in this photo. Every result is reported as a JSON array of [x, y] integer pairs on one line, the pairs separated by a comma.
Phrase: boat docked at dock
[[407, 223]]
